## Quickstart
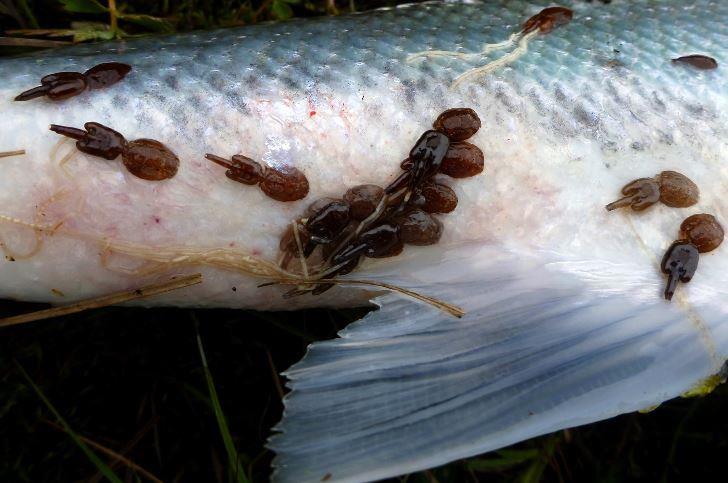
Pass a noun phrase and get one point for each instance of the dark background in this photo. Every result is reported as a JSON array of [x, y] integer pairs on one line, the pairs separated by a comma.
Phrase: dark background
[[132, 381]]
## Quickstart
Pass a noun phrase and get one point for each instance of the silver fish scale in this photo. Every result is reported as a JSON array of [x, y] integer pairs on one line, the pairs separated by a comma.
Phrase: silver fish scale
[[626, 45]]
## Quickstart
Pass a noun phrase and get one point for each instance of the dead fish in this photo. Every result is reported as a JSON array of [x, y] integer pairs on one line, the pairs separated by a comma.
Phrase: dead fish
[[564, 321]]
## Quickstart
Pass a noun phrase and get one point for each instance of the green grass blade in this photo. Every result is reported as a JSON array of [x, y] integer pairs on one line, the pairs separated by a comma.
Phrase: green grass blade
[[100, 465], [236, 469], [28, 13], [503, 460]]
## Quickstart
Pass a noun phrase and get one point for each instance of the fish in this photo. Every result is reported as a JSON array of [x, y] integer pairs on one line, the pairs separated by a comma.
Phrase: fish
[[563, 316]]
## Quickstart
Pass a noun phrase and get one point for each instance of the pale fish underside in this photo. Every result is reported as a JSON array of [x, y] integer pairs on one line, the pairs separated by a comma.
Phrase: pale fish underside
[[565, 322]]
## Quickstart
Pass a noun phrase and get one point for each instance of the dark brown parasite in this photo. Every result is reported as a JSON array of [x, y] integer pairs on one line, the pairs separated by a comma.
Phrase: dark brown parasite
[[377, 242], [149, 159], [106, 74], [94, 139], [282, 184], [240, 168], [679, 264], [677, 190], [670, 187], [462, 160], [145, 158], [424, 161], [435, 198], [317, 206], [289, 245], [703, 231], [640, 194], [419, 228], [548, 19], [363, 200], [702, 62], [326, 224], [62, 85], [457, 124]]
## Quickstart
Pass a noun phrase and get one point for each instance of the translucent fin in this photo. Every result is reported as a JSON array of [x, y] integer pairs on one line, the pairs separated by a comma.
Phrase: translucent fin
[[547, 343]]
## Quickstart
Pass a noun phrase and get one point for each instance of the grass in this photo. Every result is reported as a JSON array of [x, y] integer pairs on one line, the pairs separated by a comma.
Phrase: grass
[[92, 457], [235, 468], [138, 384], [132, 380]]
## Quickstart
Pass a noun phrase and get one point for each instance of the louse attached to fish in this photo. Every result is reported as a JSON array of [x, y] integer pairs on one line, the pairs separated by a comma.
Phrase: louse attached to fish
[[562, 317]]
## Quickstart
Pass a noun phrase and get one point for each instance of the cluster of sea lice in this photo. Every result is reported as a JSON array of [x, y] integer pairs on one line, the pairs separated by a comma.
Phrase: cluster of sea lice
[[62, 85], [700, 233], [282, 184], [540, 24], [369, 221], [144, 158]]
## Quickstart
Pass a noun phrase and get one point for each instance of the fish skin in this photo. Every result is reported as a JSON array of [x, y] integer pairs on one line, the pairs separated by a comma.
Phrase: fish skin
[[555, 138], [591, 106]]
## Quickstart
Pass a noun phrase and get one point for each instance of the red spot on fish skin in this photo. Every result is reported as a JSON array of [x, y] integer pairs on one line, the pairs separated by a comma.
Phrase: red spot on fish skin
[[231, 244], [312, 113], [256, 252], [157, 219]]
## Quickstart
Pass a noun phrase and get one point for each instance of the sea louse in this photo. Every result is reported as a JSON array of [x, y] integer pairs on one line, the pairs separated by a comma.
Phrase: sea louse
[[541, 23], [548, 19], [670, 187], [144, 158], [284, 183], [699, 61], [699, 233], [63, 85]]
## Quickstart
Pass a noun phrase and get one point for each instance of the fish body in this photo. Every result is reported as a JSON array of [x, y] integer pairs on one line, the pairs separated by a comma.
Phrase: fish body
[[565, 322]]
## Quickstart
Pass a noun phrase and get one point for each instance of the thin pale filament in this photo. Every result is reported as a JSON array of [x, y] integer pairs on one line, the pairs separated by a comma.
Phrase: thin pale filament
[[487, 48], [498, 63]]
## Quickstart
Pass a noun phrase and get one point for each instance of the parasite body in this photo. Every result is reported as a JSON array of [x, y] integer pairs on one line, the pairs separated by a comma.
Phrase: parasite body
[[374, 222], [426, 156], [562, 324], [435, 198], [63, 85], [144, 158], [457, 124], [284, 183], [420, 228], [703, 231], [328, 221], [548, 19], [700, 233], [702, 62], [363, 200], [670, 187], [679, 264]]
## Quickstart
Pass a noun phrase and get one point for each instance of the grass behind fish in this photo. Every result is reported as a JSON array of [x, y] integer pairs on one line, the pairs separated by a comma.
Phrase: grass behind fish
[[132, 381], [187, 395]]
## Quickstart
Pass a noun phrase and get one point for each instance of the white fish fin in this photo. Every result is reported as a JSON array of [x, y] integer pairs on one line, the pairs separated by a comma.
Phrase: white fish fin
[[547, 343]]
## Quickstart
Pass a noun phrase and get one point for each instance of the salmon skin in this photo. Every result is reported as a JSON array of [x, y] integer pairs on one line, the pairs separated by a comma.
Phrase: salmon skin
[[565, 322]]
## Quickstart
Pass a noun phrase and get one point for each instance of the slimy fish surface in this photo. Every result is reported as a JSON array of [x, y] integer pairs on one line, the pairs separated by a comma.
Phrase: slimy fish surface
[[565, 319]]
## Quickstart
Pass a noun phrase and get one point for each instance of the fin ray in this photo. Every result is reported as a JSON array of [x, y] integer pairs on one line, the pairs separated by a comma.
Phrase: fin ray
[[546, 343]]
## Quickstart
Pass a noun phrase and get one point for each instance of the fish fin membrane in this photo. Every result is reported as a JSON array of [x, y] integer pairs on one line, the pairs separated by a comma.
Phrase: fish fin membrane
[[547, 343]]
